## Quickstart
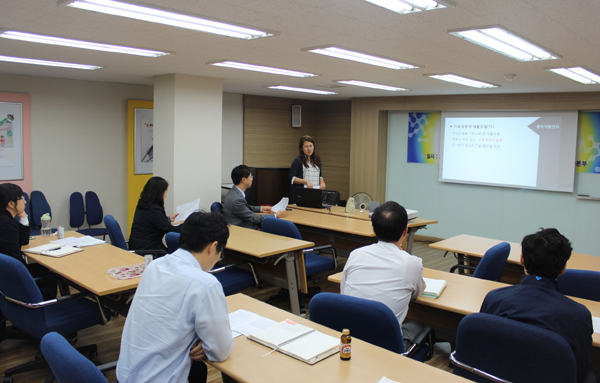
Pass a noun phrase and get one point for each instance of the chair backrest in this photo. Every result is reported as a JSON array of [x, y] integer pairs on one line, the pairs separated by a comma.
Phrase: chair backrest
[[114, 232], [172, 241], [27, 207], [93, 209], [17, 283], [491, 265], [66, 363], [216, 207], [39, 207], [511, 350], [76, 210], [280, 227], [367, 320], [580, 283]]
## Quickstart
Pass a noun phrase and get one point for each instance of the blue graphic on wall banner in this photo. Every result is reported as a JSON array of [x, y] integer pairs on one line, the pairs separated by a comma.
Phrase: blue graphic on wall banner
[[424, 138], [588, 147]]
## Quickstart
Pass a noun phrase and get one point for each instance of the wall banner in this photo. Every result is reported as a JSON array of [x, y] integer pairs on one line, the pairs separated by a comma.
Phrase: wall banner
[[588, 143], [424, 138]]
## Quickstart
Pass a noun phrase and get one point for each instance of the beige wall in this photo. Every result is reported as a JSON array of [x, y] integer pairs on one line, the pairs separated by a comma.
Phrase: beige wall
[[270, 141]]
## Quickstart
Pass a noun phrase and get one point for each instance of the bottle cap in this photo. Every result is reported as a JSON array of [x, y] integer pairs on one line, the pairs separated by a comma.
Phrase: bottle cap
[[346, 332]]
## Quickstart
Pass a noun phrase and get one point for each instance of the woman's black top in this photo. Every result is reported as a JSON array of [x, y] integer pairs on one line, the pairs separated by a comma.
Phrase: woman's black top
[[148, 228], [13, 235]]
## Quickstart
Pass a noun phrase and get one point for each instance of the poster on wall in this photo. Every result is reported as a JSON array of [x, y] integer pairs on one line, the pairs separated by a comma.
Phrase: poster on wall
[[424, 138], [144, 145], [588, 143], [11, 141]]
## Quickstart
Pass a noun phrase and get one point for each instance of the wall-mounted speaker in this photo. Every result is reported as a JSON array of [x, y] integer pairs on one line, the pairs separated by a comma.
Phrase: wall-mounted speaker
[[296, 116]]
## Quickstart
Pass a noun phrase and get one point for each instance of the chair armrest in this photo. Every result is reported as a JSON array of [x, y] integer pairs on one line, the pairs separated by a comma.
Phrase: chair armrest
[[424, 338], [237, 264], [42, 304], [155, 253], [464, 267], [322, 248]]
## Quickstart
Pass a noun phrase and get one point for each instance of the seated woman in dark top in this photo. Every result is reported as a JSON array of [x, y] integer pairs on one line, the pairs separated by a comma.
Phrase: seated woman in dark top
[[150, 222]]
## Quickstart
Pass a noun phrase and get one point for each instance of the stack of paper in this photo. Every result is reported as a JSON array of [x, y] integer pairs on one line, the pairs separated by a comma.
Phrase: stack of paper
[[434, 287]]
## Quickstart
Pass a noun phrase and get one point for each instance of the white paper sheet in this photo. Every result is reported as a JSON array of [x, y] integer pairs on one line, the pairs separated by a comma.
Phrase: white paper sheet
[[596, 324], [244, 322], [79, 242], [187, 209], [281, 205]]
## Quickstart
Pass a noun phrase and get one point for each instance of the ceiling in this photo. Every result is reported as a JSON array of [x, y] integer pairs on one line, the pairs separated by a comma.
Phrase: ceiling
[[567, 27]]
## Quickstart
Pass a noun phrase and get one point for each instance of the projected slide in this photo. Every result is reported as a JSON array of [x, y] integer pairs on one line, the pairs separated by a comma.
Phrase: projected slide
[[510, 149]]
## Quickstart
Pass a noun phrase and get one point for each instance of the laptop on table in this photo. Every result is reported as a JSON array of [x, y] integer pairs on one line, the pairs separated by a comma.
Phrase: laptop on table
[[306, 197]]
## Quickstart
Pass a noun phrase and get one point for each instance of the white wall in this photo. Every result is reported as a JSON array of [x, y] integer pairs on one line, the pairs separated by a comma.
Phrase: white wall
[[501, 213], [233, 134], [79, 135]]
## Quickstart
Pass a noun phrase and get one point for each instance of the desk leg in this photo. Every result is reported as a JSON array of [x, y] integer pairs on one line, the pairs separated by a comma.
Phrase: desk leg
[[290, 269], [411, 239]]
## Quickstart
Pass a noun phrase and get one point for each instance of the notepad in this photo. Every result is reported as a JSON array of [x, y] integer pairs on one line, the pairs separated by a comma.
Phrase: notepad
[[53, 250], [434, 287], [298, 341]]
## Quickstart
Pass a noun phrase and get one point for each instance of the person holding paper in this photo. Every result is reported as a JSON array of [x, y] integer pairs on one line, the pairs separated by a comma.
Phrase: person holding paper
[[179, 314], [306, 168], [236, 209], [150, 222], [537, 301], [384, 272]]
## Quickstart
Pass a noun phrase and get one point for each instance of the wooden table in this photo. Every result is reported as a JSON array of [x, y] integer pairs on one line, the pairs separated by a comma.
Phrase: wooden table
[[339, 230], [278, 259], [369, 363]]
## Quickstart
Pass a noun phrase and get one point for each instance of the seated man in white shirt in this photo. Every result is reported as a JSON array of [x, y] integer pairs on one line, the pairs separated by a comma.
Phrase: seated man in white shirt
[[384, 272], [179, 313]]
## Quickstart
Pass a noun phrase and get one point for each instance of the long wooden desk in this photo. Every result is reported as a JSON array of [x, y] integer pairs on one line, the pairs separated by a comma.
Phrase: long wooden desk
[[369, 363], [337, 229], [474, 246]]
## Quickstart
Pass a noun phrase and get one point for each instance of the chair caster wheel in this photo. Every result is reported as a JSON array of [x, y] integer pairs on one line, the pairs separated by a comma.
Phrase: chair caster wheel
[[7, 379], [260, 286]]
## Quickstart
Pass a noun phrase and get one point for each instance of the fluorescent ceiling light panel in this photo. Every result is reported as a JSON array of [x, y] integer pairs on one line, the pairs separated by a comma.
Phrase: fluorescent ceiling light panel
[[260, 68], [30, 37], [153, 15], [578, 74], [361, 57], [22, 60], [461, 80], [371, 85], [304, 90], [505, 42], [411, 6]]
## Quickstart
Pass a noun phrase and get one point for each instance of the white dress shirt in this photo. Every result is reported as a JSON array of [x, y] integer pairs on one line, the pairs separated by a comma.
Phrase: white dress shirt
[[175, 304], [384, 273]]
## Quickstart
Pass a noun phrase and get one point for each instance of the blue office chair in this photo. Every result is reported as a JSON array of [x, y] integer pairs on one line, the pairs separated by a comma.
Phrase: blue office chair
[[580, 283], [216, 207], [511, 351], [68, 365], [27, 207], [370, 321], [232, 276], [94, 214], [116, 238], [39, 207], [21, 302], [491, 265]]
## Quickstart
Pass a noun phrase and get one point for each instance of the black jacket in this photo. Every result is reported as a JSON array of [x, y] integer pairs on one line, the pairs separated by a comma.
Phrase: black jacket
[[149, 227]]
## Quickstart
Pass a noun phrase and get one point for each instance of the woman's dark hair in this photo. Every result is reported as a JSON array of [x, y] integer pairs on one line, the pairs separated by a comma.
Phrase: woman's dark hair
[[153, 193], [314, 157], [9, 192]]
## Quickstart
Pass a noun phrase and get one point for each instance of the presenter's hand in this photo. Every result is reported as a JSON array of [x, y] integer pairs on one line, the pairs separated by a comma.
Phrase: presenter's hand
[[322, 185], [22, 214], [197, 352], [309, 184], [280, 213], [266, 209], [173, 216]]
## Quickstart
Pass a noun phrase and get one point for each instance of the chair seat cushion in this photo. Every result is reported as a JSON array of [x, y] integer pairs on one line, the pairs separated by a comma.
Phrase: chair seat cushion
[[234, 280], [71, 316], [94, 232], [316, 263]]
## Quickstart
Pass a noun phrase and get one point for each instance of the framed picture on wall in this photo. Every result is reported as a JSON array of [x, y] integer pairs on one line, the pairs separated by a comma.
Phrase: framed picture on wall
[[144, 144], [11, 141]]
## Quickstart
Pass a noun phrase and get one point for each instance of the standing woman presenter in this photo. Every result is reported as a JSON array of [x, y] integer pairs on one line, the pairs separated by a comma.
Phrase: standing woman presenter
[[306, 168]]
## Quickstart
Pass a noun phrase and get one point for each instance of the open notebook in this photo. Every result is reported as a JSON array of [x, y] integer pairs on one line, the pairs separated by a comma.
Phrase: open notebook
[[53, 250], [298, 341]]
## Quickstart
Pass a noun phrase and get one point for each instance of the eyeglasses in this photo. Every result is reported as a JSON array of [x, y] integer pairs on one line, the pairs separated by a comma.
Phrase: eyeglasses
[[22, 197]]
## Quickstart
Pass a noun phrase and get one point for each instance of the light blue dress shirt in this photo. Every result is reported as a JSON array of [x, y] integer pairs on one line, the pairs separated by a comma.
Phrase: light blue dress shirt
[[175, 304]]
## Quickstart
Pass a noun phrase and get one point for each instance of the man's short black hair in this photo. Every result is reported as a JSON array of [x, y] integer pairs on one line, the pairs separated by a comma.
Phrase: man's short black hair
[[9, 192], [239, 172], [546, 253], [201, 229], [389, 221]]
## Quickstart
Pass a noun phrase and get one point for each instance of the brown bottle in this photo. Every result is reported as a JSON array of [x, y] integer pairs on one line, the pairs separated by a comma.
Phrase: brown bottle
[[345, 346]]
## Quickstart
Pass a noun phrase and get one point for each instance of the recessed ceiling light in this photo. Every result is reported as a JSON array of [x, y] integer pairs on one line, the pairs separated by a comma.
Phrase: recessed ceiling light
[[23, 60], [304, 90], [500, 40], [371, 85], [30, 37], [152, 14], [411, 6], [578, 74], [260, 68], [360, 57], [461, 80]]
